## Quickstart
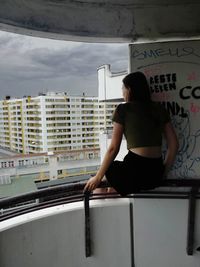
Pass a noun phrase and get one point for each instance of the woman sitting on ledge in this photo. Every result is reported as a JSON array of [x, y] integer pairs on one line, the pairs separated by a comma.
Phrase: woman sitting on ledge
[[144, 124]]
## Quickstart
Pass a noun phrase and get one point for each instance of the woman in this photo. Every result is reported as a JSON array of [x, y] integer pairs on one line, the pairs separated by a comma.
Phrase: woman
[[144, 123]]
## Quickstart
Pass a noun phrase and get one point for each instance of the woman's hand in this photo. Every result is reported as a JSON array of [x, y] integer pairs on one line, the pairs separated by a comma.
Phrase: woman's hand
[[92, 184], [108, 158]]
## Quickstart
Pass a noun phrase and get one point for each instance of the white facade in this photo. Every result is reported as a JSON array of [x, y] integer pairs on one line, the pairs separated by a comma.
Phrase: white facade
[[49, 166], [110, 89], [109, 83], [53, 122], [124, 232]]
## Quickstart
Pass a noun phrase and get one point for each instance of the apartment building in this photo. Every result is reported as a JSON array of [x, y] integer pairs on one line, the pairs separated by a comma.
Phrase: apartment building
[[110, 89], [53, 122], [21, 173]]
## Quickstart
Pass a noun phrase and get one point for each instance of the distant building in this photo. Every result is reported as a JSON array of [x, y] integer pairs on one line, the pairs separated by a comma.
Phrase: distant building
[[23, 173], [110, 84], [58, 138], [110, 89], [53, 122]]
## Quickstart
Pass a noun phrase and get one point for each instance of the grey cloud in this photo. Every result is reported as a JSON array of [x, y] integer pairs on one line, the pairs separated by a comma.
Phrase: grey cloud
[[27, 70], [82, 51], [10, 41], [4, 41], [82, 60]]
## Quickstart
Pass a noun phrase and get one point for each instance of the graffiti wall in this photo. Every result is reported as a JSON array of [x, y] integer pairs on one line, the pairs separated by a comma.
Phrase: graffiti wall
[[173, 72]]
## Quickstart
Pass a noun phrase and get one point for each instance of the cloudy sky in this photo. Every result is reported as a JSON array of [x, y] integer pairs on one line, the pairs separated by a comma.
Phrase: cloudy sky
[[30, 65]]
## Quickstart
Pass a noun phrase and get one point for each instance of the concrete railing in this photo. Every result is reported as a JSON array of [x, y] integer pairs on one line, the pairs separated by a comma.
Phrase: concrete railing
[[61, 226]]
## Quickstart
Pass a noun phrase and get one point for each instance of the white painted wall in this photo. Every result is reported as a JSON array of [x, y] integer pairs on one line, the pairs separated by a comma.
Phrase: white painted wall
[[54, 237], [105, 140], [43, 122], [160, 233], [109, 84], [110, 88]]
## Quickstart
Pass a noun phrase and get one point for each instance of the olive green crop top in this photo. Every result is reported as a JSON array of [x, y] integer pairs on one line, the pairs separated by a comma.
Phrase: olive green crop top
[[143, 123]]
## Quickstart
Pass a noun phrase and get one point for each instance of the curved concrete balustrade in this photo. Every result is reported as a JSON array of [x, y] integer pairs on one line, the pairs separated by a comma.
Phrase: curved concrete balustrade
[[102, 21], [54, 237], [124, 232], [160, 233]]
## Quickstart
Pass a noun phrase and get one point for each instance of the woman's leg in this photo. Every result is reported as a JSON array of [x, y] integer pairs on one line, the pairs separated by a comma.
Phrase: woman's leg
[[111, 190], [104, 190]]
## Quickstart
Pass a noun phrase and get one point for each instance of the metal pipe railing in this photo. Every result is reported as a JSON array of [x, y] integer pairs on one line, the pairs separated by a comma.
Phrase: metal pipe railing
[[74, 192], [78, 186]]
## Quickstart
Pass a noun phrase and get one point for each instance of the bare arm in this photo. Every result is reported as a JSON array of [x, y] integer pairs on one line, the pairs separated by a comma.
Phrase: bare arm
[[110, 155], [172, 146]]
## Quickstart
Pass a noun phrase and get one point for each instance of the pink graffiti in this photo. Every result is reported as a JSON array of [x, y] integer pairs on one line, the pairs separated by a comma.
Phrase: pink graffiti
[[164, 96], [152, 71], [192, 76], [194, 108]]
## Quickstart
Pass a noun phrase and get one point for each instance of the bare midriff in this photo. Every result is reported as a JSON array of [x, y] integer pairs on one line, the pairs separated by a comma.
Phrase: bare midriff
[[149, 152]]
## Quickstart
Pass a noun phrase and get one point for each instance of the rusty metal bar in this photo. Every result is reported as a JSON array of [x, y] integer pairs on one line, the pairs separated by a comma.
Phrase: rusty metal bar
[[87, 224], [54, 190], [191, 221], [42, 193]]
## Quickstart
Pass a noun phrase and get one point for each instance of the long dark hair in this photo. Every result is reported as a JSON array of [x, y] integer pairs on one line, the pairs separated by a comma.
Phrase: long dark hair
[[139, 87]]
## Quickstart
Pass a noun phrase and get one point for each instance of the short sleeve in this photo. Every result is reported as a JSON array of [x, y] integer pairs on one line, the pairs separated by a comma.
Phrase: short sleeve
[[118, 114]]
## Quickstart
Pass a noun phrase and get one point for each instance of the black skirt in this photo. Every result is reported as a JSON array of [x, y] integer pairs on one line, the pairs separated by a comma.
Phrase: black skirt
[[135, 173]]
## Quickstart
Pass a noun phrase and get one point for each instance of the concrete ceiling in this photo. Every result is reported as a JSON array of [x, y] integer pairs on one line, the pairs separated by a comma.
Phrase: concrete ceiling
[[102, 20]]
